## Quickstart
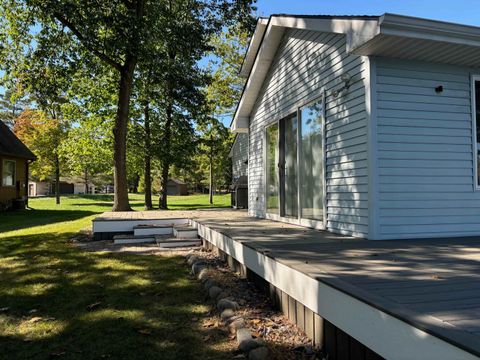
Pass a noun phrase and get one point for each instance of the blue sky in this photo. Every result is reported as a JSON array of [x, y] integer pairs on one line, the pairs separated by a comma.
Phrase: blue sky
[[461, 11]]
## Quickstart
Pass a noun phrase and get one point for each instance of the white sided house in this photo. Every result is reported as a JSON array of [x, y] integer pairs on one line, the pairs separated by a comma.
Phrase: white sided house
[[363, 125]]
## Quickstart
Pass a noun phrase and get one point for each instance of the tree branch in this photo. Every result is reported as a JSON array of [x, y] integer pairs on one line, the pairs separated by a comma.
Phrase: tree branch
[[128, 4], [102, 56]]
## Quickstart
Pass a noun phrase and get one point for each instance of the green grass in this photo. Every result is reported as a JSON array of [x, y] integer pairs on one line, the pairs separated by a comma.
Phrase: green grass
[[59, 302]]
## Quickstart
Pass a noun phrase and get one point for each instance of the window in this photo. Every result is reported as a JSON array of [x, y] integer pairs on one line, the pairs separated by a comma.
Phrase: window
[[476, 127], [8, 173]]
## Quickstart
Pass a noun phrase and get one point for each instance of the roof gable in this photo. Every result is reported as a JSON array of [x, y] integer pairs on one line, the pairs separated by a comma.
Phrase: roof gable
[[388, 35], [11, 145]]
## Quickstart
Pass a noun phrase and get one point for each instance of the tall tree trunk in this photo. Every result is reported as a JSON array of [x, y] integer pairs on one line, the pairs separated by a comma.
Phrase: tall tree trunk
[[57, 179], [210, 155], [85, 179], [148, 171], [166, 158], [121, 202]]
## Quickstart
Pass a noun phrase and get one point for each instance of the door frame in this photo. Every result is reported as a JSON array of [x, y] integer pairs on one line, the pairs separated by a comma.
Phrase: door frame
[[315, 224]]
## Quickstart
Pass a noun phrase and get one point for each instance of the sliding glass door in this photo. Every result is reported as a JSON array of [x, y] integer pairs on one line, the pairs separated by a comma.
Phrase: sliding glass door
[[295, 166], [289, 170], [272, 174], [311, 160]]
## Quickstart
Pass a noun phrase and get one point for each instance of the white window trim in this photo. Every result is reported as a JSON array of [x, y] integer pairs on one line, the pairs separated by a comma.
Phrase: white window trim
[[475, 149], [14, 171]]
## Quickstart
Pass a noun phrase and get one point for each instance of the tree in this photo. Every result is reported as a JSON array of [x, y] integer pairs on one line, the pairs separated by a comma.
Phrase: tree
[[87, 151], [222, 95], [215, 140], [44, 136], [11, 105], [120, 34]]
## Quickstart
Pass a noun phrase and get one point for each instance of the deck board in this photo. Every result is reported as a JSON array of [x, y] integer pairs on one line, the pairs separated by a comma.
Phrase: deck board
[[433, 284]]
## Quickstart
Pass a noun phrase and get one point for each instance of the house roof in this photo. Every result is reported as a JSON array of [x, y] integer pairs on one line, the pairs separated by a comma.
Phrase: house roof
[[387, 35], [11, 145], [176, 181]]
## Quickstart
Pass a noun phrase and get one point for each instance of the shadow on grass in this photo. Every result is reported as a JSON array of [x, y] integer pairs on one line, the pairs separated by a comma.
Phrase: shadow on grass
[[194, 206], [97, 305], [17, 220]]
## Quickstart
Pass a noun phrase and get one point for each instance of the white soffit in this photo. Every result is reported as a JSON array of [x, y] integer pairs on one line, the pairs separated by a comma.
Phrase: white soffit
[[253, 46], [407, 37]]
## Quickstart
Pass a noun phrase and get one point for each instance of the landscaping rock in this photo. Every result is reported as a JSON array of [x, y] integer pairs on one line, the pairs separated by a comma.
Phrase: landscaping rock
[[227, 314], [260, 353], [224, 304], [245, 341], [197, 267], [209, 283], [203, 275], [222, 295], [192, 259], [236, 325], [214, 291]]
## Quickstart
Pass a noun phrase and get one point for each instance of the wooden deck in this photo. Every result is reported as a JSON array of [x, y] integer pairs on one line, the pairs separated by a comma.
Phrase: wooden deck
[[432, 284]]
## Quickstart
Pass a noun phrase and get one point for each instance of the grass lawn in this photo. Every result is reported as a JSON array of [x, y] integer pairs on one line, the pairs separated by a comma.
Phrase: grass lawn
[[59, 302]]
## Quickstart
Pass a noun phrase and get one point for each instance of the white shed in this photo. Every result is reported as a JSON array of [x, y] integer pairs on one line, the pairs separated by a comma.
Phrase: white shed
[[363, 125]]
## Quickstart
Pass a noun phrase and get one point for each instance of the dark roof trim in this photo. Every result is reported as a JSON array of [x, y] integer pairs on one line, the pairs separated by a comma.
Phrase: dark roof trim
[[11, 145]]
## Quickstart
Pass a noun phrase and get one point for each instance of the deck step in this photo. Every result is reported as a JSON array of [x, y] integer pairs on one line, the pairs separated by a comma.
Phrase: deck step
[[112, 225], [185, 232], [166, 242], [133, 239], [149, 229]]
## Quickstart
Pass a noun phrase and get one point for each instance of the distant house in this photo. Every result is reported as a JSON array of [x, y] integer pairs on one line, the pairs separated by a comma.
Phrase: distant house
[[79, 188], [14, 160], [46, 188], [39, 188], [176, 187]]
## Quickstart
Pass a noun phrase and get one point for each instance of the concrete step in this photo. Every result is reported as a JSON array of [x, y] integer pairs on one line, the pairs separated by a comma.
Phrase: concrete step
[[168, 242], [145, 229], [185, 232], [132, 239], [121, 225]]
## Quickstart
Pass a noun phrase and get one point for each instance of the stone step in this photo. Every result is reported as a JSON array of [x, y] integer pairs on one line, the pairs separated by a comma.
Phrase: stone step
[[185, 232], [145, 229], [177, 242], [133, 239]]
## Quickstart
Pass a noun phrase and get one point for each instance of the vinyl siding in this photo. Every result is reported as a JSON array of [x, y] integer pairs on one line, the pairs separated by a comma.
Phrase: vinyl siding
[[240, 156], [307, 62], [425, 156]]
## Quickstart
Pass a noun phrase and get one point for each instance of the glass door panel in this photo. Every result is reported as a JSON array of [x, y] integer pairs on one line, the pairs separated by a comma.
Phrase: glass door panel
[[290, 167], [311, 160], [272, 174]]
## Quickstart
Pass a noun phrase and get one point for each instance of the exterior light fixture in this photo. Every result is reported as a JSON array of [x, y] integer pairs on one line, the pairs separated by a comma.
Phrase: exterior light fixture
[[347, 82]]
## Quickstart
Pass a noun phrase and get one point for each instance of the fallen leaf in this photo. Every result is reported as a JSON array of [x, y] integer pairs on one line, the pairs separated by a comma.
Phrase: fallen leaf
[[144, 331], [94, 305], [61, 353], [256, 321]]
